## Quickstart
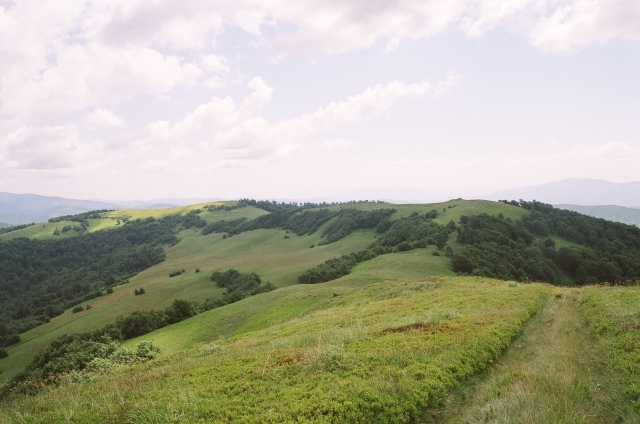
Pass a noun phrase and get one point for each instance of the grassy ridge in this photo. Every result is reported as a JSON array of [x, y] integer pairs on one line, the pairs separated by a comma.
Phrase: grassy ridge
[[386, 352], [613, 315], [266, 252]]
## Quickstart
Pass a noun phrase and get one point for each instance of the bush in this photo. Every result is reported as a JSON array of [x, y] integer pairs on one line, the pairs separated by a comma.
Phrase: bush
[[146, 350], [109, 290], [139, 292], [77, 309], [3, 353]]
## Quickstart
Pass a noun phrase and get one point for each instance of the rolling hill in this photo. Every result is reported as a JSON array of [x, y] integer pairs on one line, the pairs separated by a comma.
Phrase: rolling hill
[[397, 338]]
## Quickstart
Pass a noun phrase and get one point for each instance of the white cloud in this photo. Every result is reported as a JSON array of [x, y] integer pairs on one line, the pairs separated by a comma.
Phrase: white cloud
[[256, 138], [449, 83], [46, 148], [210, 117], [587, 21], [214, 63], [102, 118], [91, 75], [57, 58]]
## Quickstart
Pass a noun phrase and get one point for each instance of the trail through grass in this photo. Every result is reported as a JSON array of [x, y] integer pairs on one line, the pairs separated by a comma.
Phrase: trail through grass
[[550, 374]]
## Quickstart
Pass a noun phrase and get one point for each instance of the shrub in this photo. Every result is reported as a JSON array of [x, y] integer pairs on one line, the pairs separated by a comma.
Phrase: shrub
[[88, 307], [77, 309], [139, 292], [109, 290], [197, 270], [146, 350], [3, 353]]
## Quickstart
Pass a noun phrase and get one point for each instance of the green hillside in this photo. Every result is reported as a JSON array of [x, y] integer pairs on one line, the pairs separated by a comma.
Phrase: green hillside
[[394, 336], [275, 258]]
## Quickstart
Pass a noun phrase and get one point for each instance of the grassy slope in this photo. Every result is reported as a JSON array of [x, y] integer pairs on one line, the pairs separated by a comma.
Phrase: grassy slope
[[613, 315], [308, 351], [332, 362], [552, 373], [44, 230], [266, 252]]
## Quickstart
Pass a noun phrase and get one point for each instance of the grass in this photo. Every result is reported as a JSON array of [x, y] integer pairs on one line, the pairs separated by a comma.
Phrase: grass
[[386, 352], [399, 339], [266, 252], [613, 315], [450, 210], [550, 374]]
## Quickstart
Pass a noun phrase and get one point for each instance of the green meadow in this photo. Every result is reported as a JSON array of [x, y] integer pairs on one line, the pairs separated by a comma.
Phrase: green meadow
[[400, 338], [266, 252]]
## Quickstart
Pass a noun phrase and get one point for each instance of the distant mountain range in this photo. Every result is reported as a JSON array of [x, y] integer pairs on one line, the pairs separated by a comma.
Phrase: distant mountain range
[[18, 209], [575, 194], [622, 214], [575, 191]]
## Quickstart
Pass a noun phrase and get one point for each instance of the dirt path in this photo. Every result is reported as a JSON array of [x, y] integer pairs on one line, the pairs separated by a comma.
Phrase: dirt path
[[548, 375]]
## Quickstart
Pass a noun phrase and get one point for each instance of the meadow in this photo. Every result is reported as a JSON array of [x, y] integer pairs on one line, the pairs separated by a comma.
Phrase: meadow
[[400, 338], [267, 252], [388, 352]]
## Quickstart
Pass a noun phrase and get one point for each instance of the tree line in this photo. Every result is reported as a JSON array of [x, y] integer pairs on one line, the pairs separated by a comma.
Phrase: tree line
[[74, 352]]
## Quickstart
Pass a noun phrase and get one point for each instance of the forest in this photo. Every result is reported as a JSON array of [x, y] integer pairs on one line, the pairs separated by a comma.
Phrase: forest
[[75, 352], [523, 250], [40, 279]]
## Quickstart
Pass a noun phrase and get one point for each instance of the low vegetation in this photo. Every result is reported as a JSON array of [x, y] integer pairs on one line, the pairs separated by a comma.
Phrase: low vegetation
[[387, 352], [613, 315], [377, 342]]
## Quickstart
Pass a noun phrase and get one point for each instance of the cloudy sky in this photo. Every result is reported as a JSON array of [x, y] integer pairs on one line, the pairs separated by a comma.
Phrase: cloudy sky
[[128, 99]]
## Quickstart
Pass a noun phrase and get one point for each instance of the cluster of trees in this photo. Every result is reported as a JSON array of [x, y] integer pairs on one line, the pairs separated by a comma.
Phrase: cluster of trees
[[303, 222], [522, 250], [40, 279], [273, 206], [75, 351], [238, 285], [81, 217], [415, 231]]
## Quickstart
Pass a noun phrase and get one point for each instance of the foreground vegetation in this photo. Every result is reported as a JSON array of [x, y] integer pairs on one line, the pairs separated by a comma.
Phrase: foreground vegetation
[[613, 315], [388, 352], [376, 337]]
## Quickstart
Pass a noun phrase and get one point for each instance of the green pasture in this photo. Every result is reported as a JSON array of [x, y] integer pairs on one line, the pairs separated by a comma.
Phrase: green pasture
[[324, 353]]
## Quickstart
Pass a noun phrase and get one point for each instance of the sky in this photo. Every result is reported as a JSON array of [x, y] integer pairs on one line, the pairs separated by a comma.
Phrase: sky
[[132, 99]]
